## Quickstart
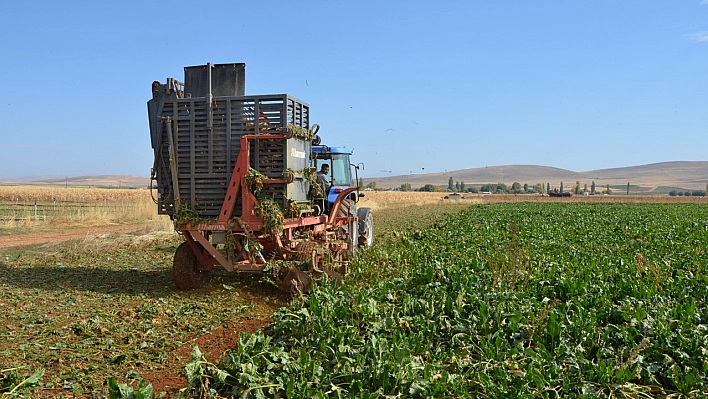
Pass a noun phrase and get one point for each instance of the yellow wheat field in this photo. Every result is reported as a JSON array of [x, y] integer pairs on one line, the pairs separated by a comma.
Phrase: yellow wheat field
[[72, 194], [398, 199], [39, 207]]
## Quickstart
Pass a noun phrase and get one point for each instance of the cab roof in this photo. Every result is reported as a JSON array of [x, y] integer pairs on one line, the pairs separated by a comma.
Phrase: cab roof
[[323, 149]]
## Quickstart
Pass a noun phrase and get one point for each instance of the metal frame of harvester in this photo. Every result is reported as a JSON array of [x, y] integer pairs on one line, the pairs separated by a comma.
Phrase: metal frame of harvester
[[197, 130], [320, 229]]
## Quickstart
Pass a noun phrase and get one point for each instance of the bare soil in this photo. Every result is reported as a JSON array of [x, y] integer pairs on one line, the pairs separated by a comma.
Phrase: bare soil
[[21, 240], [213, 345], [170, 379]]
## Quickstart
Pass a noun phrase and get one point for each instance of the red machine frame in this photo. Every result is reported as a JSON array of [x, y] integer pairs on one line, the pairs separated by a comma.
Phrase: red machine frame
[[321, 227]]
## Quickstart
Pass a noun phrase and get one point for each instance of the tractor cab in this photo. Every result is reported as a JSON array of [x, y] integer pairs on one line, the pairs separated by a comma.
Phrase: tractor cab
[[339, 177]]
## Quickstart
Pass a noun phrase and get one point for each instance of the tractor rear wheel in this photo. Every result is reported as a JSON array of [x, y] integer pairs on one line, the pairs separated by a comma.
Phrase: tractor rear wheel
[[366, 227], [348, 208], [185, 269]]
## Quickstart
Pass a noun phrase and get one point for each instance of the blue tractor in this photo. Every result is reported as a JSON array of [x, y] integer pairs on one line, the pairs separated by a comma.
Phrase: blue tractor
[[338, 179]]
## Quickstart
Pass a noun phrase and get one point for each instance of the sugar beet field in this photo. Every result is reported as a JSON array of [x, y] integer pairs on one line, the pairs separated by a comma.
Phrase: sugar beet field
[[526, 299]]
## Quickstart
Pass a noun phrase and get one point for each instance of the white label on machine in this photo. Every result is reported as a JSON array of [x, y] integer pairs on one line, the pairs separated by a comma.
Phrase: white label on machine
[[297, 154]]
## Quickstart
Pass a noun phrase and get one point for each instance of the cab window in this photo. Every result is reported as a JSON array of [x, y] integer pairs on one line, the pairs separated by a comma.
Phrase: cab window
[[340, 170]]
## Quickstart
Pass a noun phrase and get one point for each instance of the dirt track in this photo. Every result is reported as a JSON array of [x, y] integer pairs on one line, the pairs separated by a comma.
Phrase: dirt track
[[18, 240]]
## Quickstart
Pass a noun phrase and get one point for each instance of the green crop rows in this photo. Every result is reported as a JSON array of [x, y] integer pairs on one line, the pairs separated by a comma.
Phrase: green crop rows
[[504, 300]]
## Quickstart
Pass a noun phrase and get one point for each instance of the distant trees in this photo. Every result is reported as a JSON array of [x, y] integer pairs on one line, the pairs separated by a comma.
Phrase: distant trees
[[451, 184], [516, 187], [459, 187], [371, 185], [498, 188], [430, 188], [695, 193], [578, 188]]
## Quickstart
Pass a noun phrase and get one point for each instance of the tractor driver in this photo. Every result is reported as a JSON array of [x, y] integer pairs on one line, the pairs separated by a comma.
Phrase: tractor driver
[[324, 181]]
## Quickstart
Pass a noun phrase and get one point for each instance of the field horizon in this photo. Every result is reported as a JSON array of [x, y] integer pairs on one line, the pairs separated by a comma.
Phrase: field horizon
[[687, 175]]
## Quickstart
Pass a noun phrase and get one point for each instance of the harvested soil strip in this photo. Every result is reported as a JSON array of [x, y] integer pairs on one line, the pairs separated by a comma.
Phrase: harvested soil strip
[[170, 379], [20, 240]]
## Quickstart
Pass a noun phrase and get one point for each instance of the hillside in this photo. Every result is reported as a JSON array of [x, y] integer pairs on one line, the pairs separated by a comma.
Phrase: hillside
[[690, 175]]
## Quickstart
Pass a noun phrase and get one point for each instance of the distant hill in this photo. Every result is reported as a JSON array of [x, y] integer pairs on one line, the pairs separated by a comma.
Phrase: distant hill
[[689, 175], [125, 181]]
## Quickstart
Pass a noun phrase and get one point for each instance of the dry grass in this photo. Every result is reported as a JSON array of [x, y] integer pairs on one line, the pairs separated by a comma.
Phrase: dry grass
[[40, 193], [32, 207], [377, 200], [396, 199]]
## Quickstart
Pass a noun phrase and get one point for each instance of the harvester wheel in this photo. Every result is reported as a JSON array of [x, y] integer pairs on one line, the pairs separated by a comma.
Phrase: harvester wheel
[[185, 269], [366, 227], [348, 208]]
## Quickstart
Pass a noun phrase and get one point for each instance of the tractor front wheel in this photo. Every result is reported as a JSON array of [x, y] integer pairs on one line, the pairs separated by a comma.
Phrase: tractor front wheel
[[185, 269]]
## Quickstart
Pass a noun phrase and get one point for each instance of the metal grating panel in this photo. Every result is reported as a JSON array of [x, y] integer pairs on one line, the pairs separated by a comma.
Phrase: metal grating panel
[[207, 144]]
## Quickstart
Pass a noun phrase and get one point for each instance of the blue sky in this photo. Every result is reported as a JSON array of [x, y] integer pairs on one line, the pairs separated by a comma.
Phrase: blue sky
[[412, 87]]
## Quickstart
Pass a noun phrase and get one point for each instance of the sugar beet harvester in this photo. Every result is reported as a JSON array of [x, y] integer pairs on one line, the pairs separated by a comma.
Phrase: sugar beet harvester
[[237, 175]]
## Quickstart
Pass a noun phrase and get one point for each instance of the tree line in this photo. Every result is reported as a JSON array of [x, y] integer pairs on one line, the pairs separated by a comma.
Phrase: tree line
[[503, 188], [518, 188]]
